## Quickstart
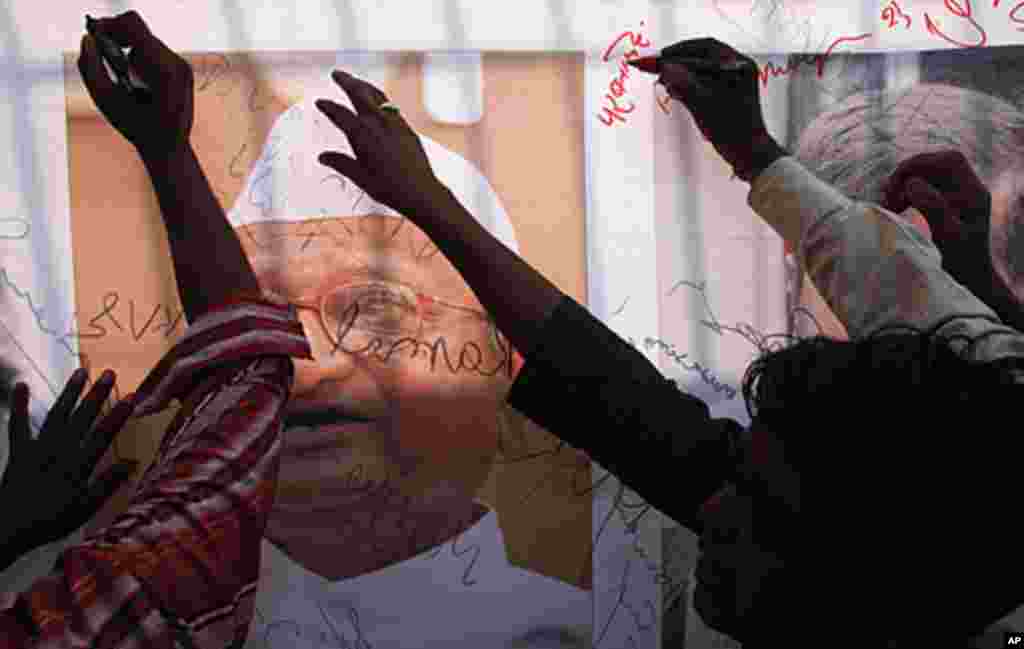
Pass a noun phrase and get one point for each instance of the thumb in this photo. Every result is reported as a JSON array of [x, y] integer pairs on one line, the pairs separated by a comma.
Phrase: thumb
[[347, 166], [936, 210]]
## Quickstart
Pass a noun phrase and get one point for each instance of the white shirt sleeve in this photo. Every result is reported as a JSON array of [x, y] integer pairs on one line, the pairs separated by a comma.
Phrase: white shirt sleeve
[[873, 269]]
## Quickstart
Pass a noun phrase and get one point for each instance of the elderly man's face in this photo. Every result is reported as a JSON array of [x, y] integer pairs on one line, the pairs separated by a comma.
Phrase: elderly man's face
[[408, 377]]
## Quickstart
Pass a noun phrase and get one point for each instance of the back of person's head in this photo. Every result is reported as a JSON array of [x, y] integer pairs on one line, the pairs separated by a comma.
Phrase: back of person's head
[[907, 452]]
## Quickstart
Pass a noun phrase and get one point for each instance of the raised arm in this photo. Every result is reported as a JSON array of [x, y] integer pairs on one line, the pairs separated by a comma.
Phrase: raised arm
[[209, 263], [580, 381], [873, 269]]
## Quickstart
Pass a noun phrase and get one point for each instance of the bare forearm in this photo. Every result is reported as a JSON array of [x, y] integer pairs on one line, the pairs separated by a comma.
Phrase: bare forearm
[[209, 262], [518, 297]]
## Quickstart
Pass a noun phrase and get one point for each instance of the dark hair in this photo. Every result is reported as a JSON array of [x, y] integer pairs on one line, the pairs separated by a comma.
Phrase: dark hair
[[906, 446], [898, 376]]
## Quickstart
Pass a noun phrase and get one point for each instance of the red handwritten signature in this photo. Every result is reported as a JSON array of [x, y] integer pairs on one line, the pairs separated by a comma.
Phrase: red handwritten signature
[[892, 12], [770, 71], [617, 86], [962, 9], [1013, 13]]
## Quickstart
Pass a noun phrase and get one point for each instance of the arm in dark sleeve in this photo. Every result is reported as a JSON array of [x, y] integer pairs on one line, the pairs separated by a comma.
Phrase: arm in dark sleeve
[[590, 388]]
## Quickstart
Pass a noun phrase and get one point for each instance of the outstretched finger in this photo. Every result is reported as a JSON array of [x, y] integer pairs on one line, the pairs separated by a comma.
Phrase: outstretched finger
[[87, 412], [366, 97], [343, 118], [105, 432], [346, 166], [57, 419]]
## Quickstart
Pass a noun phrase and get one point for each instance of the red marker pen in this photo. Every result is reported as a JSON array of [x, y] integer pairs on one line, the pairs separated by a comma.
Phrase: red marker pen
[[647, 64]]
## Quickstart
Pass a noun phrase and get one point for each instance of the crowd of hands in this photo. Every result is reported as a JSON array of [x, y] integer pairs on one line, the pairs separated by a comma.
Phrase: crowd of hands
[[49, 489]]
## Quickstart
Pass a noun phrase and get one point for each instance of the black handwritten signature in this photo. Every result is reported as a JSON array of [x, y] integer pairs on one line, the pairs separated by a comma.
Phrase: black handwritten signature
[[470, 359], [337, 638], [173, 318], [706, 374]]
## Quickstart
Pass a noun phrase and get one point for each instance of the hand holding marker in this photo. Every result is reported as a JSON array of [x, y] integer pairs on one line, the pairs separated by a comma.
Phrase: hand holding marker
[[719, 87], [114, 57]]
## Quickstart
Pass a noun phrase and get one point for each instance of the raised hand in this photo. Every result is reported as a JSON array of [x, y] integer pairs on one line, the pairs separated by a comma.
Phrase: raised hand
[[390, 164], [156, 127], [944, 188], [718, 86], [45, 493]]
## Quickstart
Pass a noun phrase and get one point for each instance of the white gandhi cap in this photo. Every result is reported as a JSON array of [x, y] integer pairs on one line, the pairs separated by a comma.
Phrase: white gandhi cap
[[287, 183]]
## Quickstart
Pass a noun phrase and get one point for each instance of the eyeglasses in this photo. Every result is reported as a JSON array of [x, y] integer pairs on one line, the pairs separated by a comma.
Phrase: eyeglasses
[[356, 314]]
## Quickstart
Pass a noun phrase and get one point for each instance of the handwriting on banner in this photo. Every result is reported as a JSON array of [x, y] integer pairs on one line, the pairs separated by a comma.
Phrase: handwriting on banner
[[770, 71], [892, 13], [960, 9], [679, 358], [615, 111], [115, 315], [471, 355]]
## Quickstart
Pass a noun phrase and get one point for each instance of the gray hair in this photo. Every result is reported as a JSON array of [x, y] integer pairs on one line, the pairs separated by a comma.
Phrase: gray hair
[[858, 143]]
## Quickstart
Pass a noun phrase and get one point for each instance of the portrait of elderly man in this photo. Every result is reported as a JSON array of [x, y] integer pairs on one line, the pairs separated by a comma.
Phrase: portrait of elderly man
[[403, 516], [394, 427]]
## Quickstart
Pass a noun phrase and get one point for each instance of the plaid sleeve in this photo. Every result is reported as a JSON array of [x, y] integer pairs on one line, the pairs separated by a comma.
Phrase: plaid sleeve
[[179, 567]]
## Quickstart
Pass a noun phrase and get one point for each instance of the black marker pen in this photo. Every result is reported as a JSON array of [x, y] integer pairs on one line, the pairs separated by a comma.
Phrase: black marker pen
[[111, 53]]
